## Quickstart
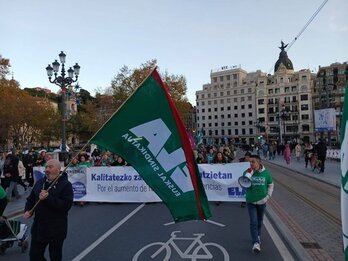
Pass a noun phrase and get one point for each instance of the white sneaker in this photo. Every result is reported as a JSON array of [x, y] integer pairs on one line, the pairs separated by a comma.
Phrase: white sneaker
[[256, 248]]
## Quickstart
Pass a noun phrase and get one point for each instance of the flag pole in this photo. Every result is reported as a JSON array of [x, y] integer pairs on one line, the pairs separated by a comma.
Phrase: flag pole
[[65, 168]]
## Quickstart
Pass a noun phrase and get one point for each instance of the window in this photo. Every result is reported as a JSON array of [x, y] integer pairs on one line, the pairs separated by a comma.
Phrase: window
[[243, 115], [215, 109], [228, 100], [209, 117], [228, 77], [229, 132], [261, 110], [209, 124], [304, 88], [236, 115], [293, 88], [235, 92], [214, 79], [215, 102], [260, 101], [305, 117], [305, 127], [203, 103], [304, 97], [216, 124], [209, 95], [235, 99], [209, 102], [243, 123], [236, 132], [221, 78], [229, 116], [304, 78], [243, 131], [222, 101], [242, 107], [242, 91], [236, 123], [216, 132], [222, 132], [215, 116], [304, 107], [250, 114], [242, 99], [228, 92], [221, 93], [228, 108], [209, 109], [203, 110], [251, 131], [270, 91], [203, 118], [222, 116], [221, 108], [250, 106], [215, 94], [235, 76], [249, 90], [277, 90], [250, 122], [286, 89], [229, 123], [249, 98]]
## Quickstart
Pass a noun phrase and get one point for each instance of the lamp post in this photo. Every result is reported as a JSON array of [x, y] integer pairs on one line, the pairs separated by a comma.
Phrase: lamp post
[[63, 82], [282, 115]]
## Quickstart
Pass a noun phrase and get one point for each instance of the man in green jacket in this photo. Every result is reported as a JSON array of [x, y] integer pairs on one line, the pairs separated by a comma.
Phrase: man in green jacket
[[256, 197]]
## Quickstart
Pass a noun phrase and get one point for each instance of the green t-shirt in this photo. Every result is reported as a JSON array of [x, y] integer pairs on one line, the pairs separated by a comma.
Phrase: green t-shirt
[[2, 192], [259, 185]]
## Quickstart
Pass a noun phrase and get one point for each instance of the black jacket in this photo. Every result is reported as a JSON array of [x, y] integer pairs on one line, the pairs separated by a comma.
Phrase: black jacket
[[51, 214]]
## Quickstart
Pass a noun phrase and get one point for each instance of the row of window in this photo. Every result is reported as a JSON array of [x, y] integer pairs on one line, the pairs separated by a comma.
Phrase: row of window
[[273, 130], [222, 101], [222, 116], [228, 108], [228, 77], [222, 94]]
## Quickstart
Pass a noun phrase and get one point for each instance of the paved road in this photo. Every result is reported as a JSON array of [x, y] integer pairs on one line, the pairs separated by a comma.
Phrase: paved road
[[124, 229]]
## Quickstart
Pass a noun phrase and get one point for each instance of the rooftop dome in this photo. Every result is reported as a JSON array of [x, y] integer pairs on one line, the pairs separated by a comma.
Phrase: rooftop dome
[[283, 59]]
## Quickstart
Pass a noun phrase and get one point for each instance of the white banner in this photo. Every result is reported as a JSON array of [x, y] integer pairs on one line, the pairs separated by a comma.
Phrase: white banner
[[124, 184]]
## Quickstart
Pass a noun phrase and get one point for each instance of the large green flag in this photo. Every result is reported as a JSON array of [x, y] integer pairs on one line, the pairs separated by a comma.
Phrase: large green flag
[[344, 170], [147, 131]]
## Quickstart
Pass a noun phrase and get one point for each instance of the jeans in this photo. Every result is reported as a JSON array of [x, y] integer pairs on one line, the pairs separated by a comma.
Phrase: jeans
[[12, 187], [256, 213]]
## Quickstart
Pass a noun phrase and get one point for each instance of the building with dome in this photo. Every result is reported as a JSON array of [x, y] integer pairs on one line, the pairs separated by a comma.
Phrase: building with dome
[[252, 107]]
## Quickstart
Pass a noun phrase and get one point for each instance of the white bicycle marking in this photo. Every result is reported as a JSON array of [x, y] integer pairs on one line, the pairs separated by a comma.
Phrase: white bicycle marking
[[196, 250]]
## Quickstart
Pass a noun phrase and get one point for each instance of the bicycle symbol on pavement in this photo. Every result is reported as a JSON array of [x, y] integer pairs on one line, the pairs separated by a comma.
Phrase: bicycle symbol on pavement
[[195, 251]]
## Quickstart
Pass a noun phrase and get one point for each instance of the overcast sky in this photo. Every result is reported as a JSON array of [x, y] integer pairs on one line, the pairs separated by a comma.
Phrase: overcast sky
[[188, 37]]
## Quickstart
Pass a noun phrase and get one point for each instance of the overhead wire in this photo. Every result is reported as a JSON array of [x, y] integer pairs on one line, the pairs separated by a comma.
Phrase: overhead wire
[[307, 24]]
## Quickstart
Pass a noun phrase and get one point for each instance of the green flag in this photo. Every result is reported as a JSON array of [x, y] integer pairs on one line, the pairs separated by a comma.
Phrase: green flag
[[344, 171], [147, 131]]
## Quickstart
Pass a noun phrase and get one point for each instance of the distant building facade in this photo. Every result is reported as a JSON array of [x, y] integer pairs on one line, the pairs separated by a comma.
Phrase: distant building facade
[[329, 93], [252, 107]]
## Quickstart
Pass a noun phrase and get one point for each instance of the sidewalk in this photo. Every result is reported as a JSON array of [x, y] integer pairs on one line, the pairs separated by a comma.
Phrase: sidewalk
[[331, 175]]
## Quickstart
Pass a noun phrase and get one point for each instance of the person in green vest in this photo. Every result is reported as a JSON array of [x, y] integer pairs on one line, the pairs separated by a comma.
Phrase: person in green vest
[[256, 197], [3, 200]]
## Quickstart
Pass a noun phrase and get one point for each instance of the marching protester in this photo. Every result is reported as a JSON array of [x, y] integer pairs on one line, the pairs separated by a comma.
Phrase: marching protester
[[11, 174], [321, 150], [29, 163], [51, 214], [256, 197], [287, 153]]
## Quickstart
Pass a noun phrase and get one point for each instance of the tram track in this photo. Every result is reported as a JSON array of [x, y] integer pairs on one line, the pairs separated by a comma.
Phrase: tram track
[[310, 209], [312, 204]]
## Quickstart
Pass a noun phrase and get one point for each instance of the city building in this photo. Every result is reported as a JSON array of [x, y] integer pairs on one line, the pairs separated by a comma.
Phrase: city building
[[226, 107], [257, 107], [329, 93]]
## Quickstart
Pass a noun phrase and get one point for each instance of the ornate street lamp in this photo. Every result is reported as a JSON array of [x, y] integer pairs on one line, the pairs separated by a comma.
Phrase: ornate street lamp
[[282, 116], [63, 82]]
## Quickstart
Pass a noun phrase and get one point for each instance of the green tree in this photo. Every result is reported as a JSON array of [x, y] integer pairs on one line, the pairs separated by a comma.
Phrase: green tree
[[127, 80]]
